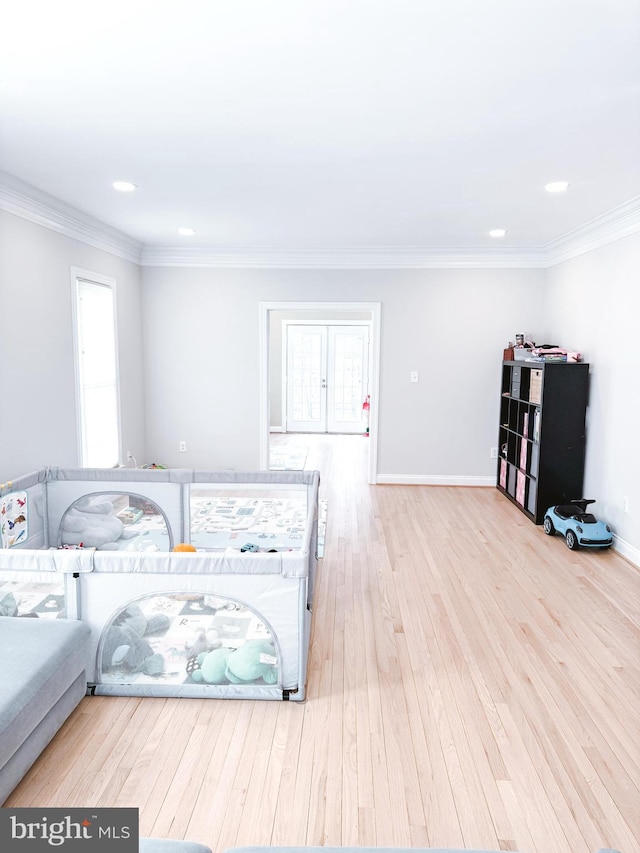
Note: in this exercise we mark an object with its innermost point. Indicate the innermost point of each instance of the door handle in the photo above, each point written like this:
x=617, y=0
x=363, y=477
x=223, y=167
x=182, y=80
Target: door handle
x=324, y=383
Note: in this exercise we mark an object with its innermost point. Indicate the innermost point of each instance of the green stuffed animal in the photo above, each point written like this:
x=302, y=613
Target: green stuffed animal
x=211, y=667
x=252, y=661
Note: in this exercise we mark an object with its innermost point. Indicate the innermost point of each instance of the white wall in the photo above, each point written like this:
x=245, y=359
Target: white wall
x=200, y=328
x=593, y=306
x=197, y=331
x=37, y=401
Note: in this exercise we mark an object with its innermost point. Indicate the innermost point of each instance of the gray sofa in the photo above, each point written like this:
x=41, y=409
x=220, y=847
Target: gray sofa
x=42, y=680
x=170, y=845
x=286, y=849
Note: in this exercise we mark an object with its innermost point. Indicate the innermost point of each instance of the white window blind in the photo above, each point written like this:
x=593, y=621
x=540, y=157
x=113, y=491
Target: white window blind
x=97, y=371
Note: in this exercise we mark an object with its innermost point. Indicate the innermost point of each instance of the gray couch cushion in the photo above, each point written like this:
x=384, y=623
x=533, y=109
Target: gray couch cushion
x=285, y=849
x=27, y=754
x=171, y=845
x=328, y=849
x=39, y=660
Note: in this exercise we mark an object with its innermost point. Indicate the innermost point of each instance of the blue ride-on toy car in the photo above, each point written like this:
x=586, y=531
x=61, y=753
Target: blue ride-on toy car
x=579, y=527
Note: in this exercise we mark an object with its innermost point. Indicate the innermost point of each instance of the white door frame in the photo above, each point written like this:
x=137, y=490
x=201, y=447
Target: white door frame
x=285, y=329
x=374, y=369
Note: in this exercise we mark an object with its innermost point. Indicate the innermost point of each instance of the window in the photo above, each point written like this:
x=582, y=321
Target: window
x=97, y=391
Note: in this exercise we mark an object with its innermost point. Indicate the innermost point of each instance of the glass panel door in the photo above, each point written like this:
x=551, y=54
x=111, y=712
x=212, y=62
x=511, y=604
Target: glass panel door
x=327, y=369
x=306, y=379
x=347, y=372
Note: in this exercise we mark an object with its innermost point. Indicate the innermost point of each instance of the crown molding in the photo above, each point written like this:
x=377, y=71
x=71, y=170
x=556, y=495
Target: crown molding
x=357, y=257
x=32, y=204
x=621, y=221
x=29, y=203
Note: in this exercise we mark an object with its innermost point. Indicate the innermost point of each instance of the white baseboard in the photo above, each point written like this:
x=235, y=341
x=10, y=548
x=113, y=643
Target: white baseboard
x=277, y=429
x=629, y=552
x=434, y=480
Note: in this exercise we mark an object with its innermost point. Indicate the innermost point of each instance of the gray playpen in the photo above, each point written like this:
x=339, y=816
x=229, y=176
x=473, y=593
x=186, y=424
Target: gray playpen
x=227, y=616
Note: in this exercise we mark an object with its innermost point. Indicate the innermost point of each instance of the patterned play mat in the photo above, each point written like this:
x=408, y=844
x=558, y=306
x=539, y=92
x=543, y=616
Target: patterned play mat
x=269, y=523
x=232, y=522
x=287, y=458
x=322, y=527
x=217, y=523
x=32, y=599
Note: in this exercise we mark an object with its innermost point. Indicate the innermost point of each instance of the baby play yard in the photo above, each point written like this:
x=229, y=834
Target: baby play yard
x=227, y=615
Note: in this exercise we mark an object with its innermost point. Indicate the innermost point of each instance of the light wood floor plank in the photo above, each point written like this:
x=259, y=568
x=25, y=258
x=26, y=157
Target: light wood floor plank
x=471, y=682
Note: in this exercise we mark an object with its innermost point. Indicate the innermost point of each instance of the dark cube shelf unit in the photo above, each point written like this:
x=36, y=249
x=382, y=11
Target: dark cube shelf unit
x=542, y=434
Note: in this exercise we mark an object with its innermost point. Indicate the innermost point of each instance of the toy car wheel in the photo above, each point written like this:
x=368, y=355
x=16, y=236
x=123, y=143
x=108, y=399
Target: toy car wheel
x=549, y=529
x=571, y=540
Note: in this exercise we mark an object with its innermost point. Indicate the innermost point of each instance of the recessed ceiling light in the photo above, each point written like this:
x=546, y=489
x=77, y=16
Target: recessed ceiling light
x=557, y=186
x=497, y=232
x=186, y=232
x=124, y=186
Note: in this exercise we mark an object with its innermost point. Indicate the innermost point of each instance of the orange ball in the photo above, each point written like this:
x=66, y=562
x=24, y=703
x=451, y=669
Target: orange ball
x=183, y=546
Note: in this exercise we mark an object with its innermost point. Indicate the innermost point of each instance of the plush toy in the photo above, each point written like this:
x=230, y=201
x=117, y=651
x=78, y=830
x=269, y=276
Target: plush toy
x=211, y=667
x=92, y=525
x=203, y=641
x=8, y=605
x=255, y=659
x=252, y=661
x=125, y=647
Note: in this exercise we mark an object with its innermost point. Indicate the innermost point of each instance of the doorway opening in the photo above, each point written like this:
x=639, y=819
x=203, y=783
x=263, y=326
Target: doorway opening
x=304, y=343
x=325, y=377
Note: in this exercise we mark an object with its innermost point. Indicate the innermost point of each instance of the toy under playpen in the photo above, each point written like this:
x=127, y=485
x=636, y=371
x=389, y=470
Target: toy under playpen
x=227, y=615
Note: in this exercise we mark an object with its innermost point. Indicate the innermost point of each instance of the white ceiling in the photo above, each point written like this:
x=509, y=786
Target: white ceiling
x=296, y=125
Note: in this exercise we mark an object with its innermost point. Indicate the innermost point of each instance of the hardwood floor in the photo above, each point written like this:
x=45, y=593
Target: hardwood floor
x=472, y=683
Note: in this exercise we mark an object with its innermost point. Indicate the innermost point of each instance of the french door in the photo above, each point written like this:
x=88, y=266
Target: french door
x=327, y=369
